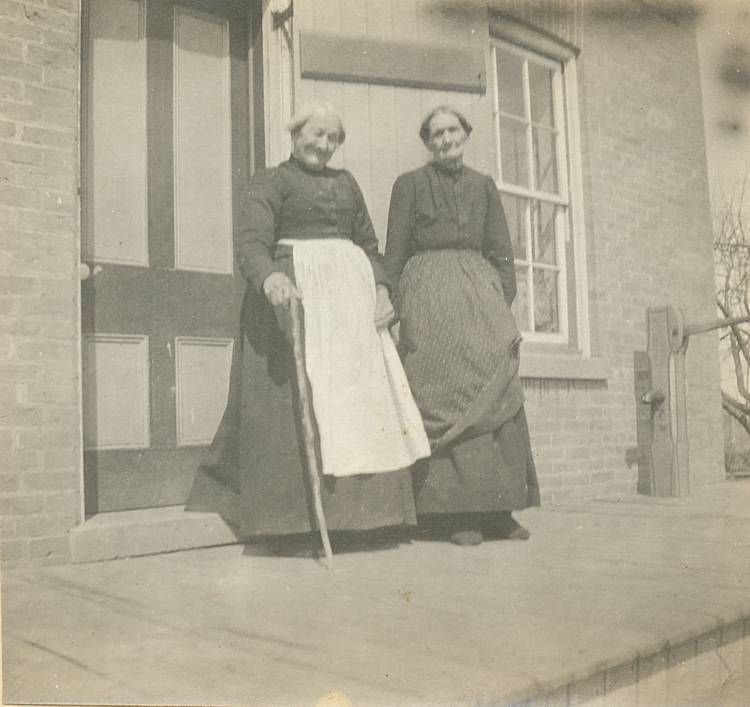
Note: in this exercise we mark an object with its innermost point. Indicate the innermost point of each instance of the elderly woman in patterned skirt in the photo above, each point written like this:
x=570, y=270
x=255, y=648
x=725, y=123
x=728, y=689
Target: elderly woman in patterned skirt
x=449, y=258
x=307, y=234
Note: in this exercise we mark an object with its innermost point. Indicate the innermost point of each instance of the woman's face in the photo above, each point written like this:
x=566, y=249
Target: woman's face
x=447, y=138
x=317, y=140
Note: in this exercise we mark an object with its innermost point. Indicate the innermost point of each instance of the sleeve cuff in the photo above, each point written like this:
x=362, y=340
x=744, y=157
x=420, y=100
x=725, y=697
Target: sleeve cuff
x=258, y=274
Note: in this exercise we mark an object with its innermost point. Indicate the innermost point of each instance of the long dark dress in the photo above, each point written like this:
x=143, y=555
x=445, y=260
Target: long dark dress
x=254, y=473
x=449, y=258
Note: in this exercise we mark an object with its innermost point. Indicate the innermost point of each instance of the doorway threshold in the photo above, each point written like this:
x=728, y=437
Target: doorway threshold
x=148, y=531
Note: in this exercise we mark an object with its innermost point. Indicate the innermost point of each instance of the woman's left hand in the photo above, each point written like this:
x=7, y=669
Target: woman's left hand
x=384, y=313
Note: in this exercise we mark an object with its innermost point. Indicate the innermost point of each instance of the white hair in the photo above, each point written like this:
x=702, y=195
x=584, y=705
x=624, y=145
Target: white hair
x=308, y=110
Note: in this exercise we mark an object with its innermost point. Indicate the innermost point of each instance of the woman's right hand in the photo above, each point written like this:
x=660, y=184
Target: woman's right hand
x=279, y=289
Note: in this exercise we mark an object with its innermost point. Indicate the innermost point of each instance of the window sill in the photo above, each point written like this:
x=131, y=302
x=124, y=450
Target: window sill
x=564, y=367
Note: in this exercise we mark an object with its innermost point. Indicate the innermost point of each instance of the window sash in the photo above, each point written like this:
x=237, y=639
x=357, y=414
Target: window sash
x=526, y=264
x=558, y=129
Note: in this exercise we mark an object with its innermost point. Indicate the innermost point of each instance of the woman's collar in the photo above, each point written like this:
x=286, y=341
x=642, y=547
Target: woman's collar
x=308, y=170
x=451, y=170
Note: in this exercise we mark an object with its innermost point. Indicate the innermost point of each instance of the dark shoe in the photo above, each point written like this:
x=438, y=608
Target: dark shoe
x=503, y=526
x=467, y=537
x=511, y=529
x=518, y=533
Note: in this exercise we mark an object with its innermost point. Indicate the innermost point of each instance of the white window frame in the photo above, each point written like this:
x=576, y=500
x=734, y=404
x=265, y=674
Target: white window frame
x=279, y=77
x=525, y=42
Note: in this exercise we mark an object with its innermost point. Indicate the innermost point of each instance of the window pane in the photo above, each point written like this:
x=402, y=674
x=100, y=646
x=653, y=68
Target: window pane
x=545, y=243
x=545, y=301
x=515, y=212
x=510, y=83
x=540, y=93
x=513, y=152
x=545, y=160
x=520, y=307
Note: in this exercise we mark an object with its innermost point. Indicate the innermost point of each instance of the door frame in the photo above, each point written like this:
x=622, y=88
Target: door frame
x=272, y=79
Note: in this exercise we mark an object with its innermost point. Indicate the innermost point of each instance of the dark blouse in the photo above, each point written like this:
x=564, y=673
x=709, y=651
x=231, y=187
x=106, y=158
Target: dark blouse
x=291, y=201
x=433, y=208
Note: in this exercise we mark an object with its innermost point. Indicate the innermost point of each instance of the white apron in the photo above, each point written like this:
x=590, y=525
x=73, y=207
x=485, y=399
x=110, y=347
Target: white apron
x=367, y=419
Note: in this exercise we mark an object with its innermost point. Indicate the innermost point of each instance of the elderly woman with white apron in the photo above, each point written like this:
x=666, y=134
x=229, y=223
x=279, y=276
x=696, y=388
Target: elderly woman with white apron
x=307, y=234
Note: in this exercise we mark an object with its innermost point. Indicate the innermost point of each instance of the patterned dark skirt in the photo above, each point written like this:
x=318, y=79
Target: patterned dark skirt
x=459, y=344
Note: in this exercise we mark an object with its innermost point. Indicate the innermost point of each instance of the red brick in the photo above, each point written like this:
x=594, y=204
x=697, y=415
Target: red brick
x=18, y=285
x=55, y=97
x=9, y=394
x=11, y=8
x=64, y=417
x=49, y=524
x=66, y=5
x=8, y=528
x=19, y=417
x=50, y=394
x=27, y=198
x=42, y=17
x=9, y=482
x=54, y=549
x=49, y=329
x=43, y=349
x=20, y=70
x=11, y=90
x=20, y=30
x=7, y=440
x=44, y=222
x=20, y=372
x=60, y=117
x=21, y=505
x=41, y=55
x=50, y=138
x=59, y=201
x=48, y=176
x=19, y=460
x=46, y=306
x=11, y=48
x=67, y=501
x=21, y=154
x=61, y=78
x=7, y=129
x=44, y=439
x=13, y=550
x=62, y=458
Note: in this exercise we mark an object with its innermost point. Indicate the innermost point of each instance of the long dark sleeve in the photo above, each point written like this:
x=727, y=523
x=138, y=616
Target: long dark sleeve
x=497, y=246
x=400, y=226
x=363, y=234
x=255, y=243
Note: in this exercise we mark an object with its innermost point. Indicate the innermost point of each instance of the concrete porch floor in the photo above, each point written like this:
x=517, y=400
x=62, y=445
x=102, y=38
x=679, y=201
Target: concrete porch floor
x=640, y=601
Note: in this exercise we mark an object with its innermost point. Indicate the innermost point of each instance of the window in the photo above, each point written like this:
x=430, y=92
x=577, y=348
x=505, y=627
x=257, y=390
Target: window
x=538, y=175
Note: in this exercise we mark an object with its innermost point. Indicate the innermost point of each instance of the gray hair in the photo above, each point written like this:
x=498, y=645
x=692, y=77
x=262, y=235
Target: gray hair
x=424, y=128
x=308, y=110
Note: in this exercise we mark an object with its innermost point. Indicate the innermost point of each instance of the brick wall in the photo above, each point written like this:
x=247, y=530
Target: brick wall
x=647, y=228
x=39, y=236
x=648, y=234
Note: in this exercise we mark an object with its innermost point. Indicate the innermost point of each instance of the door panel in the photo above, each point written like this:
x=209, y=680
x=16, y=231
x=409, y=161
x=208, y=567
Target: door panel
x=160, y=315
x=202, y=143
x=116, y=227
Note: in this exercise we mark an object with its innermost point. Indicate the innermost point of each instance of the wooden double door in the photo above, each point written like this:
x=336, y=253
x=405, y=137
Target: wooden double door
x=169, y=141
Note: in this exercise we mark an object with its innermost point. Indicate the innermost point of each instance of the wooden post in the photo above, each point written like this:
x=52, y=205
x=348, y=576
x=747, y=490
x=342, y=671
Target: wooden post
x=668, y=338
x=669, y=451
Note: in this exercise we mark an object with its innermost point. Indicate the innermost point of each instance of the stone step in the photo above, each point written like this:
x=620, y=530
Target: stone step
x=108, y=536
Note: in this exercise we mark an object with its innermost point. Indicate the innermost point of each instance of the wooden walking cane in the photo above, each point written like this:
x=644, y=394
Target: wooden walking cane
x=308, y=429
